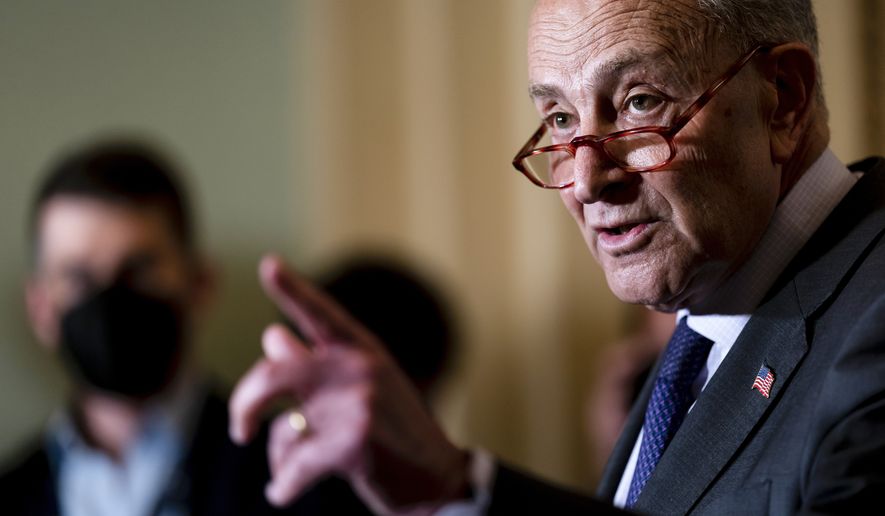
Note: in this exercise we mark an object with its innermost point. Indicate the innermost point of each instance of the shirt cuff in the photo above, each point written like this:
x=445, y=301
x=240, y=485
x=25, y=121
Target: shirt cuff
x=482, y=476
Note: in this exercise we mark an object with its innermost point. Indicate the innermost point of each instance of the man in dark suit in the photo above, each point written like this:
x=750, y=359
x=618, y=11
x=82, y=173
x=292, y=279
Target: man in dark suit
x=116, y=285
x=688, y=139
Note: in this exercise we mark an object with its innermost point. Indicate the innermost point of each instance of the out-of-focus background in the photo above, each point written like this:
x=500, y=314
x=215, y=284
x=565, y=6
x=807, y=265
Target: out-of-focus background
x=315, y=128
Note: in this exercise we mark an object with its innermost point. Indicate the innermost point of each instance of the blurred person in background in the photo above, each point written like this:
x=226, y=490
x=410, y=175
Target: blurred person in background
x=619, y=374
x=403, y=308
x=116, y=289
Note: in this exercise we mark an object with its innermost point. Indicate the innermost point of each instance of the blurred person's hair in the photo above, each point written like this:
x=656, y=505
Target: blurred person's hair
x=130, y=173
x=403, y=309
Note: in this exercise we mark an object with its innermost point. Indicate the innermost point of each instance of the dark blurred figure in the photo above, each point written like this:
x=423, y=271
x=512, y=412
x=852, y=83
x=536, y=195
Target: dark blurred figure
x=403, y=309
x=116, y=286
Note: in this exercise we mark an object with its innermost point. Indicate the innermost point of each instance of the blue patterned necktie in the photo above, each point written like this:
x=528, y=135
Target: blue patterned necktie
x=685, y=356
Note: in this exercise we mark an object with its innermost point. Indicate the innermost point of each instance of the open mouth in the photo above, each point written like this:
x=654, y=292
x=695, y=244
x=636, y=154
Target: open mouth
x=626, y=238
x=620, y=230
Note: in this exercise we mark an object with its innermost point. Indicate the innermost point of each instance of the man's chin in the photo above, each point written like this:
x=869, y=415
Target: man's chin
x=651, y=293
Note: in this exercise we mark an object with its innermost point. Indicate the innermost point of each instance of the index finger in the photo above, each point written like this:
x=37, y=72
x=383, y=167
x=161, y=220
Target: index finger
x=318, y=316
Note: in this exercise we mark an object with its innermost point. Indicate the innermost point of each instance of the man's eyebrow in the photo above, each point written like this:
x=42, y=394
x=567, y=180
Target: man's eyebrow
x=543, y=91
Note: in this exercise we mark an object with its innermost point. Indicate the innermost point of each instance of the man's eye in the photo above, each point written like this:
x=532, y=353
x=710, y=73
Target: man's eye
x=560, y=120
x=643, y=103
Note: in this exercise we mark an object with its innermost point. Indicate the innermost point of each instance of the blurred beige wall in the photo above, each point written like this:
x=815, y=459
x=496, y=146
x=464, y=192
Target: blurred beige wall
x=853, y=63
x=317, y=127
x=415, y=111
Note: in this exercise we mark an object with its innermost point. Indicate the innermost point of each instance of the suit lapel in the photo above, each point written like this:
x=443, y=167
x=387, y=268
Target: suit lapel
x=728, y=409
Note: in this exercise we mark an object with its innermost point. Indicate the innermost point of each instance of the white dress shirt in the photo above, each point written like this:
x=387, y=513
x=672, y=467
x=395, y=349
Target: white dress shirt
x=91, y=483
x=723, y=317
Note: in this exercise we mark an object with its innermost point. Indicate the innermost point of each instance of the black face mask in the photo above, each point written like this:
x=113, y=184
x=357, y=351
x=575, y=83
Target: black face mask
x=122, y=341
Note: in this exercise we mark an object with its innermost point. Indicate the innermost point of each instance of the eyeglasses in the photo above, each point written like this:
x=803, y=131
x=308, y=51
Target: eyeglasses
x=641, y=149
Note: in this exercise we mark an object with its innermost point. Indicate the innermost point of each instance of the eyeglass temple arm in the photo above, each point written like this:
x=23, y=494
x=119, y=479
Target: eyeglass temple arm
x=530, y=145
x=729, y=74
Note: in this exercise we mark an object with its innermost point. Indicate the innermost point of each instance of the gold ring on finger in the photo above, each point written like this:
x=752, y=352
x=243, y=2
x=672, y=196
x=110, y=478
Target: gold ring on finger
x=297, y=421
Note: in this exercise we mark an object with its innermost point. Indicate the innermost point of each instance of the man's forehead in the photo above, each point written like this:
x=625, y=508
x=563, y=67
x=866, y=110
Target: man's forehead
x=567, y=34
x=89, y=226
x=614, y=65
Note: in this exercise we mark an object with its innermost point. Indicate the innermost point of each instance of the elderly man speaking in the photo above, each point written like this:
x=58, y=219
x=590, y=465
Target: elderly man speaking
x=688, y=139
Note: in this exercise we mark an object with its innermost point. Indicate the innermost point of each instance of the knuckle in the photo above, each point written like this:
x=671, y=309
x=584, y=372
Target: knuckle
x=358, y=364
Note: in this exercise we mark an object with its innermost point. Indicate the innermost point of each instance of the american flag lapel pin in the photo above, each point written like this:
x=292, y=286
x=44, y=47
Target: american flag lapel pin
x=764, y=380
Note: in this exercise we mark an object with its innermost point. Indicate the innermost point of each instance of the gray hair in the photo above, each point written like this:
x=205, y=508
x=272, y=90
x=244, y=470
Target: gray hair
x=750, y=22
x=746, y=23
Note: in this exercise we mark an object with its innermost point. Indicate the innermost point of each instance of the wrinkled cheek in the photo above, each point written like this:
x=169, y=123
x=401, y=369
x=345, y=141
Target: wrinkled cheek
x=590, y=238
x=575, y=209
x=53, y=326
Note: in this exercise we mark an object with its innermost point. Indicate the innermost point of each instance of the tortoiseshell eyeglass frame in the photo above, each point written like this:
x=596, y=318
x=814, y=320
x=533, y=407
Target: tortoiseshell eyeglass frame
x=598, y=142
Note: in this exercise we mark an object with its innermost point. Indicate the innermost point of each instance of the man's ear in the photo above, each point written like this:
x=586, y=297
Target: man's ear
x=42, y=314
x=791, y=69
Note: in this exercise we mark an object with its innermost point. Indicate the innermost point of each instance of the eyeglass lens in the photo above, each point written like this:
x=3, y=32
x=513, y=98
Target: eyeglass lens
x=634, y=151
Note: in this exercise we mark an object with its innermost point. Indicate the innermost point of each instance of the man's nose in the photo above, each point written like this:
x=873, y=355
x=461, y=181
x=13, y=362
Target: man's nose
x=597, y=177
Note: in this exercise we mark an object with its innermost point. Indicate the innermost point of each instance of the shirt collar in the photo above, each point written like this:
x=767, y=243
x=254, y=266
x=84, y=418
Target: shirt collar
x=168, y=417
